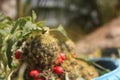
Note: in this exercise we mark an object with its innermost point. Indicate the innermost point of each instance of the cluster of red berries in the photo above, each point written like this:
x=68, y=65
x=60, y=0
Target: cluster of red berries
x=60, y=59
x=35, y=73
x=57, y=69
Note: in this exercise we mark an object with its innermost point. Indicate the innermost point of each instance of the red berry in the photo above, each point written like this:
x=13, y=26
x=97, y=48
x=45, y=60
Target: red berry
x=34, y=73
x=58, y=69
x=17, y=54
x=59, y=60
x=62, y=55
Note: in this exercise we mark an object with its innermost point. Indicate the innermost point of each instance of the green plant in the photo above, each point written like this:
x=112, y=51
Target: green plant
x=28, y=46
x=10, y=33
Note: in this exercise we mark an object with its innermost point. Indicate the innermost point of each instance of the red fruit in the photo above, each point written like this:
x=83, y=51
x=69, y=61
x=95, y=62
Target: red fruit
x=62, y=56
x=59, y=60
x=34, y=73
x=58, y=69
x=17, y=54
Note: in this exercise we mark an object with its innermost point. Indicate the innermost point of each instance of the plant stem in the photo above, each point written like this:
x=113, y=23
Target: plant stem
x=19, y=9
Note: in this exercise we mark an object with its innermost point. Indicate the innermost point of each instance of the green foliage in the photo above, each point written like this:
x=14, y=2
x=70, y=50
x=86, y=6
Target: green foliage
x=34, y=16
x=59, y=33
x=11, y=32
x=61, y=29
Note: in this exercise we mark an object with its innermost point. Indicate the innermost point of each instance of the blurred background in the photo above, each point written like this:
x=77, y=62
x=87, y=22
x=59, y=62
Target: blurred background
x=91, y=24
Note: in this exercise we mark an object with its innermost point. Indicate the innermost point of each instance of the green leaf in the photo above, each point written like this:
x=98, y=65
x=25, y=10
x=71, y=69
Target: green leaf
x=2, y=32
x=62, y=30
x=59, y=33
x=20, y=23
x=9, y=44
x=5, y=31
x=4, y=18
x=34, y=16
x=27, y=18
x=40, y=23
x=29, y=26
